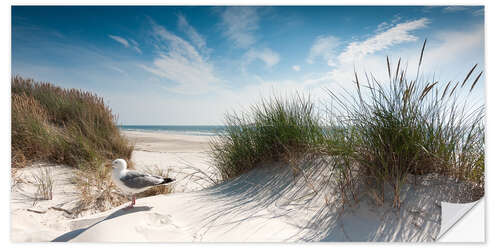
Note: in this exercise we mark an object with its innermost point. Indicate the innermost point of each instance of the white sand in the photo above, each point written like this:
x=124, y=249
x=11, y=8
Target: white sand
x=185, y=156
x=268, y=204
x=41, y=220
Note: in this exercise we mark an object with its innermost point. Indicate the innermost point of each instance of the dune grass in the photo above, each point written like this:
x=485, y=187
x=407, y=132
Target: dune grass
x=96, y=190
x=410, y=126
x=71, y=127
x=65, y=126
x=274, y=130
x=161, y=189
x=377, y=135
x=44, y=182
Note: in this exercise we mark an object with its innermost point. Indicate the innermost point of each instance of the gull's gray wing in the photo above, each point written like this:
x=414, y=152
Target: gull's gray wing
x=136, y=180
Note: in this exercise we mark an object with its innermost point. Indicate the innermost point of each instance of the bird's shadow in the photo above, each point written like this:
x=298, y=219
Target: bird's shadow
x=123, y=211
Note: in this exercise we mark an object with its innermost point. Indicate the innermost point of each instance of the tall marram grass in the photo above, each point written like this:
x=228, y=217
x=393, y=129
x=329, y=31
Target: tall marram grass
x=378, y=135
x=59, y=125
x=273, y=131
x=388, y=130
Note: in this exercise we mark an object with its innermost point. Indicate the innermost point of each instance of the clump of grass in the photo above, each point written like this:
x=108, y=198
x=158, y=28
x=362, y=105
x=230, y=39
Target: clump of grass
x=96, y=190
x=161, y=189
x=272, y=131
x=15, y=178
x=378, y=136
x=387, y=131
x=67, y=126
x=44, y=182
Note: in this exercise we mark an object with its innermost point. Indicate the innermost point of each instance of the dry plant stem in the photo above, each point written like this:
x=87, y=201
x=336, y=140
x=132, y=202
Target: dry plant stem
x=44, y=181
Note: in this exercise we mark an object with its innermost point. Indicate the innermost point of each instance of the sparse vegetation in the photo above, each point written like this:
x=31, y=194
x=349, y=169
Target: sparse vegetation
x=96, y=190
x=378, y=135
x=274, y=130
x=44, y=182
x=65, y=126
x=162, y=189
x=409, y=126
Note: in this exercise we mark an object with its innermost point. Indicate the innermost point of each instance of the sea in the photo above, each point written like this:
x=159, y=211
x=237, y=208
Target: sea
x=200, y=130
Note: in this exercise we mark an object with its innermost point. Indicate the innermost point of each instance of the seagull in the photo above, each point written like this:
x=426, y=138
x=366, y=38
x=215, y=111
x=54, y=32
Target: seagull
x=133, y=182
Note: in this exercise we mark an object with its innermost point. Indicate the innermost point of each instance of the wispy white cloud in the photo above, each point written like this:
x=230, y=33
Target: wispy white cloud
x=117, y=69
x=479, y=12
x=382, y=26
x=324, y=47
x=121, y=40
x=135, y=46
x=134, y=42
x=191, y=32
x=400, y=33
x=296, y=67
x=449, y=53
x=181, y=63
x=131, y=43
x=472, y=10
x=239, y=24
x=456, y=46
x=456, y=8
x=266, y=55
x=137, y=49
x=388, y=24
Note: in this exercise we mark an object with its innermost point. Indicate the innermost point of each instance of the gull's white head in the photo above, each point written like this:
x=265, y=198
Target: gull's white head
x=119, y=164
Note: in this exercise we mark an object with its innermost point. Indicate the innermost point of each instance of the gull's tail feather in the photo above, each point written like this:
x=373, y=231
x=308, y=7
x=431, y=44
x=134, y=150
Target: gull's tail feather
x=167, y=180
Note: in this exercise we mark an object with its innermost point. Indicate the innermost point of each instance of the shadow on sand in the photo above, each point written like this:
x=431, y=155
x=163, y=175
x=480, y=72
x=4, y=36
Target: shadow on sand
x=72, y=234
x=307, y=201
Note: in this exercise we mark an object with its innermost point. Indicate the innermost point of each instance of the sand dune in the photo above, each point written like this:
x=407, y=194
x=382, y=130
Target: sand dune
x=268, y=204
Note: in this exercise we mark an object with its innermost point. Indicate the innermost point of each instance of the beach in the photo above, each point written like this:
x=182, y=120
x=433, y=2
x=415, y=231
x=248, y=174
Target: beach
x=268, y=204
x=184, y=155
x=199, y=124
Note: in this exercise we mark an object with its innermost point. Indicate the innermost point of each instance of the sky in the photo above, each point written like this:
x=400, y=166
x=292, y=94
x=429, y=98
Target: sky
x=174, y=65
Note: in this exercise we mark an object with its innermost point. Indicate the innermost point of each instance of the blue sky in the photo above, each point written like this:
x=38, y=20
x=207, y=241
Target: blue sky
x=190, y=65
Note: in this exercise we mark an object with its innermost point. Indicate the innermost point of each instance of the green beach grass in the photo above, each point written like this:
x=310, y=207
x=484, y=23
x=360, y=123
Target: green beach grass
x=65, y=126
x=410, y=126
x=273, y=131
x=378, y=134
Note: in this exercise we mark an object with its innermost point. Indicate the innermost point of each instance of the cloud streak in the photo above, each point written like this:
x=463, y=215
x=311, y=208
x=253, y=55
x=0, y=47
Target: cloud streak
x=457, y=8
x=239, y=24
x=181, y=63
x=324, y=47
x=191, y=32
x=400, y=33
x=121, y=40
x=135, y=46
x=266, y=55
x=132, y=44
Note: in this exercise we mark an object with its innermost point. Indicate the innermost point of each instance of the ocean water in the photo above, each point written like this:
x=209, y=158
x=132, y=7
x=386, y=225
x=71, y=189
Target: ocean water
x=201, y=130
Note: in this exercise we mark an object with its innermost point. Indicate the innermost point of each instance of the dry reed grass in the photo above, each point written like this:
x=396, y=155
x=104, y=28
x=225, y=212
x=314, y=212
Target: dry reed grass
x=67, y=126
x=44, y=181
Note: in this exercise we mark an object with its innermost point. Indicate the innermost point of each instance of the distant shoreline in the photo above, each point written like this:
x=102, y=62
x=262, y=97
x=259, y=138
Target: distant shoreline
x=197, y=130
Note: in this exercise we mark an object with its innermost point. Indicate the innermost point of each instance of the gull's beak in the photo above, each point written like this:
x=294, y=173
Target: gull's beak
x=109, y=164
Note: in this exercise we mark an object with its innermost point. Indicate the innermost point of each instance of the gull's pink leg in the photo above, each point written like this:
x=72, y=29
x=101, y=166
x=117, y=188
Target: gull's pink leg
x=131, y=204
